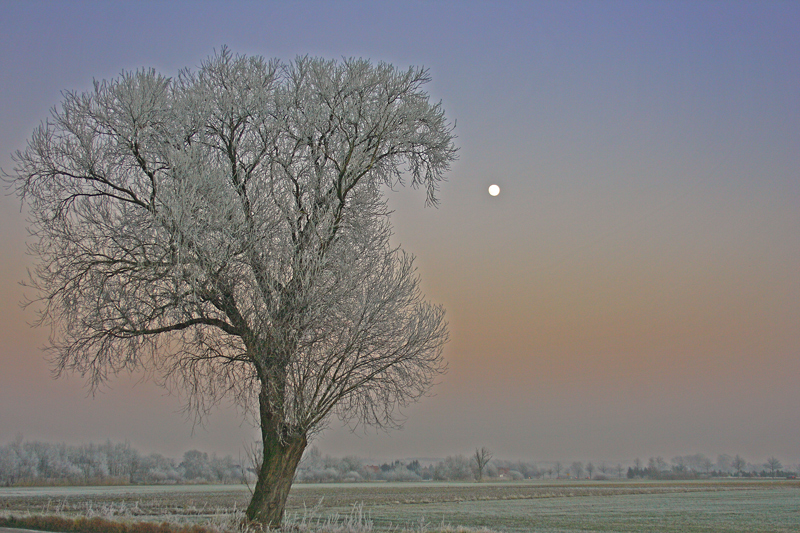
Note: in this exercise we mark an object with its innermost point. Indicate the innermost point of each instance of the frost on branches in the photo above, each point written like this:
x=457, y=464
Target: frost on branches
x=226, y=229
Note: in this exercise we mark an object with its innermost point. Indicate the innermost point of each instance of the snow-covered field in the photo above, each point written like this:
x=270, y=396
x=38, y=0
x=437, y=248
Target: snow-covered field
x=565, y=506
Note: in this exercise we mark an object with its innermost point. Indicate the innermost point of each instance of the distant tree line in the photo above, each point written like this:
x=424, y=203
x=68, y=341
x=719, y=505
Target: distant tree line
x=42, y=463
x=316, y=468
x=699, y=466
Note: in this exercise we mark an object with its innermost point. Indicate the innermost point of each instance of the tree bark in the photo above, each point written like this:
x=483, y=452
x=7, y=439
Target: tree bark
x=278, y=465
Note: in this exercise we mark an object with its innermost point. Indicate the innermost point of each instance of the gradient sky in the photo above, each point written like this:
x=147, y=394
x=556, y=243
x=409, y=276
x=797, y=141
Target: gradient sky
x=633, y=291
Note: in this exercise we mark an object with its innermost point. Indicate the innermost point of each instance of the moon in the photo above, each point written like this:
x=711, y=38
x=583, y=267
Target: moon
x=494, y=190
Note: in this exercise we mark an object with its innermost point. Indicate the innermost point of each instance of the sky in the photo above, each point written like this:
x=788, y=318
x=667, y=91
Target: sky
x=633, y=291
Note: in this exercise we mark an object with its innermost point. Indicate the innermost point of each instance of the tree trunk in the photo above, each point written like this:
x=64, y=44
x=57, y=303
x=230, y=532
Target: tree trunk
x=278, y=464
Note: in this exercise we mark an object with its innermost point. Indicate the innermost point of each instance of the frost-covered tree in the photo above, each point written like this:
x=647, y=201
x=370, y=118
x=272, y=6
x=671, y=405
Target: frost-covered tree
x=9, y=466
x=577, y=469
x=195, y=466
x=773, y=464
x=738, y=464
x=724, y=463
x=227, y=230
x=453, y=468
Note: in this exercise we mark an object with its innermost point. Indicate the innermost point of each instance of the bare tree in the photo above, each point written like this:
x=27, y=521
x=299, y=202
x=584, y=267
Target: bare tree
x=590, y=469
x=773, y=464
x=227, y=230
x=481, y=459
x=577, y=469
x=558, y=467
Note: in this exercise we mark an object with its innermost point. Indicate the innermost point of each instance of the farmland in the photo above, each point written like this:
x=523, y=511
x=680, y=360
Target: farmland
x=555, y=506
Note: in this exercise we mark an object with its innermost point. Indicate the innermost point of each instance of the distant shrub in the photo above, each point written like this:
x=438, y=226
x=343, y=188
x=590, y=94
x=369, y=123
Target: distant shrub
x=400, y=473
x=352, y=476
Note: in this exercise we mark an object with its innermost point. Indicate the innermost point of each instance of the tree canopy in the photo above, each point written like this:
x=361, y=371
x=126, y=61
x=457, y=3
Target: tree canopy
x=227, y=229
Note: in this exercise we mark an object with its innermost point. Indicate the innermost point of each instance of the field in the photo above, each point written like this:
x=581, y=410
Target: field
x=545, y=507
